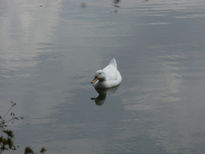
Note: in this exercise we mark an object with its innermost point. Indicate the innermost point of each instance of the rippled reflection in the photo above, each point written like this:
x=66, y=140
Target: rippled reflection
x=47, y=52
x=116, y=3
x=25, y=27
x=102, y=94
x=100, y=99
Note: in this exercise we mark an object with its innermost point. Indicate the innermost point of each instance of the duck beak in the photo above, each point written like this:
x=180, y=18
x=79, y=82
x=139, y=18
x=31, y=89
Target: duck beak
x=94, y=80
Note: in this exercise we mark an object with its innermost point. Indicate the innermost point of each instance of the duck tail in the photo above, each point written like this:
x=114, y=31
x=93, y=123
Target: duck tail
x=113, y=62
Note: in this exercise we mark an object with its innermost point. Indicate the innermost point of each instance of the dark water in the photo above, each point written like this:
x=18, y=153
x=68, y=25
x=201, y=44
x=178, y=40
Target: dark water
x=49, y=51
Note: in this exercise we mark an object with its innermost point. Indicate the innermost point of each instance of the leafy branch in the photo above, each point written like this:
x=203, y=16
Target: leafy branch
x=7, y=135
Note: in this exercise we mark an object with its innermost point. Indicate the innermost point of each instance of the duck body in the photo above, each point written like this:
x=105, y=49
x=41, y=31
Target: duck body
x=107, y=77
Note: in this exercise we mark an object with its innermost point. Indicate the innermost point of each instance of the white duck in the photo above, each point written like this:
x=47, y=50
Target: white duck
x=108, y=77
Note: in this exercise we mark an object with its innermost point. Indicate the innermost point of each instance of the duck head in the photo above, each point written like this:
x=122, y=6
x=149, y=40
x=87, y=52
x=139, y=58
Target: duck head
x=99, y=76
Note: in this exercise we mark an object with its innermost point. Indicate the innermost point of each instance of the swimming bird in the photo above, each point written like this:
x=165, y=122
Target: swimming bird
x=107, y=77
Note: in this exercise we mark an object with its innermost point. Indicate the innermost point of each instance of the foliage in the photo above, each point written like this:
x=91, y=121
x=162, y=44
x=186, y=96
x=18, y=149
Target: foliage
x=7, y=135
x=29, y=150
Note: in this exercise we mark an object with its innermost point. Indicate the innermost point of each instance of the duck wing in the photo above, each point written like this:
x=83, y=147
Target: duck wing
x=113, y=62
x=111, y=70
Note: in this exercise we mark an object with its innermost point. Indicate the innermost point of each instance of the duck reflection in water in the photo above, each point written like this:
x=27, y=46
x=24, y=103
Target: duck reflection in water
x=116, y=3
x=102, y=94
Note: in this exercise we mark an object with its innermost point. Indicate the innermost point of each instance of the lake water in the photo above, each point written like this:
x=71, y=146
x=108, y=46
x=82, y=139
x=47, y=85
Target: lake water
x=50, y=49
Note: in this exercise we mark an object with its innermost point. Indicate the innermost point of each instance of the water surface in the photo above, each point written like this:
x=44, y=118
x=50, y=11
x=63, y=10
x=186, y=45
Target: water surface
x=49, y=51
